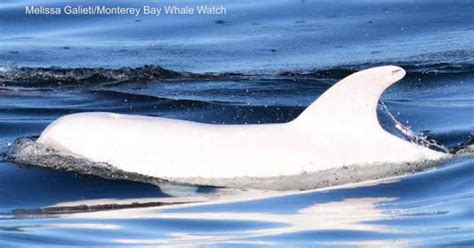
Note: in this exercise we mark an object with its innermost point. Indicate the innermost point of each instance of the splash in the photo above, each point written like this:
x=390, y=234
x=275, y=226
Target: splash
x=408, y=133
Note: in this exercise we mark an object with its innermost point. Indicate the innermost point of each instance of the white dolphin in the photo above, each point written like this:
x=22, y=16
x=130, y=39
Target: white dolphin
x=339, y=129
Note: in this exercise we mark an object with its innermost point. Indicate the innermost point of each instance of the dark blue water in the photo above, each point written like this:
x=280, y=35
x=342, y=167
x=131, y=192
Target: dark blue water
x=265, y=62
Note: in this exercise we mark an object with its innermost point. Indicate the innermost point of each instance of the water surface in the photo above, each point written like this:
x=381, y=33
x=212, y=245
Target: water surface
x=269, y=60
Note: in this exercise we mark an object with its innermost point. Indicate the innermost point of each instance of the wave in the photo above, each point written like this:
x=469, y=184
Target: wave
x=97, y=75
x=163, y=101
x=413, y=69
x=84, y=75
x=87, y=208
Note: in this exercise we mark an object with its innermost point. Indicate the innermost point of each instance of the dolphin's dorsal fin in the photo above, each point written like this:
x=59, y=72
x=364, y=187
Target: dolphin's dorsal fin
x=351, y=102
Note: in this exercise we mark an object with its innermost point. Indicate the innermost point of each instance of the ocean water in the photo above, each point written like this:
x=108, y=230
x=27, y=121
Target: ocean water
x=260, y=63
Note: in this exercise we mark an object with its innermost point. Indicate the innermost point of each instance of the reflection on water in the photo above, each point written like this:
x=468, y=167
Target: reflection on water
x=350, y=214
x=414, y=210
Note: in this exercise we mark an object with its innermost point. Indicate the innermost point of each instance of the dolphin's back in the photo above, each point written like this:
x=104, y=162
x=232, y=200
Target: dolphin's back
x=340, y=128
